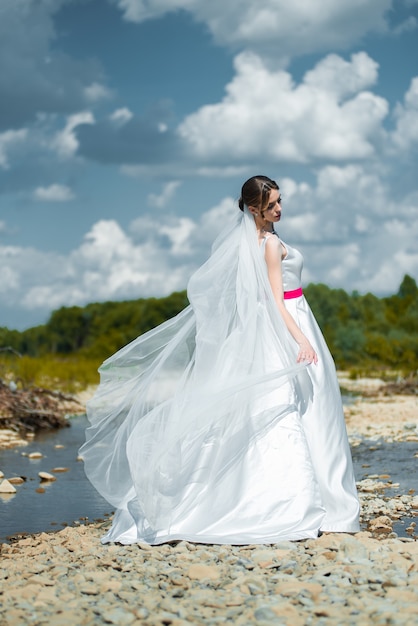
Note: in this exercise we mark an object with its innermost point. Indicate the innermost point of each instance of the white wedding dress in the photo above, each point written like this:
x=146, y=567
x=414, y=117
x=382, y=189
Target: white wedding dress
x=206, y=429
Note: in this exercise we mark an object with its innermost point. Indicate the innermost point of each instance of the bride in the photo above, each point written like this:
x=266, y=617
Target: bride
x=225, y=423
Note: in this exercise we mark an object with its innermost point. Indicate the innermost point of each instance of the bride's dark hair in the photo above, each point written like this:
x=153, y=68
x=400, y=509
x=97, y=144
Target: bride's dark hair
x=255, y=192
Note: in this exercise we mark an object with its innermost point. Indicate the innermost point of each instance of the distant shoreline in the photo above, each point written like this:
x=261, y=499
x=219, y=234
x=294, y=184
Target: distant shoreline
x=372, y=414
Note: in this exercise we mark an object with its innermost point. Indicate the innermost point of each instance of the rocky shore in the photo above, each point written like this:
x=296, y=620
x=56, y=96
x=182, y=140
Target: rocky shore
x=69, y=577
x=381, y=410
x=24, y=412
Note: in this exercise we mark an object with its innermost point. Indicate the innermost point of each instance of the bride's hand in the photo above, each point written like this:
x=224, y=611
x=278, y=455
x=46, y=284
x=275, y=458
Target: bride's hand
x=307, y=353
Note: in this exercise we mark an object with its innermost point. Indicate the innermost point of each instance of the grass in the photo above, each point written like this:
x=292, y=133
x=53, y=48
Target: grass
x=68, y=375
x=74, y=373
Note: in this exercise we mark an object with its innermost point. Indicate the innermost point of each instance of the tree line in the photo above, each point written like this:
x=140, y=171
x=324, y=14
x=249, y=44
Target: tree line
x=362, y=331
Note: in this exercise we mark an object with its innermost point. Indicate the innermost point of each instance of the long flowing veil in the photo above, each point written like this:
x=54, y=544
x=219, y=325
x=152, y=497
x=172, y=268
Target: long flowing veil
x=179, y=406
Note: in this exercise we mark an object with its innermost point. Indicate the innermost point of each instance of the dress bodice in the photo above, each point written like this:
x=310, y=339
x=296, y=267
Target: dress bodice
x=292, y=265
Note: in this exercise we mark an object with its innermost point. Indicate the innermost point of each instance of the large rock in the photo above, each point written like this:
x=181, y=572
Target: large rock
x=6, y=487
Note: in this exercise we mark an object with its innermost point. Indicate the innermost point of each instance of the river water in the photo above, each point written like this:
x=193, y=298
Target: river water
x=68, y=500
x=71, y=499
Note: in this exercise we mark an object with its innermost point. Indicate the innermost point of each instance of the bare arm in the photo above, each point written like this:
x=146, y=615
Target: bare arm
x=273, y=256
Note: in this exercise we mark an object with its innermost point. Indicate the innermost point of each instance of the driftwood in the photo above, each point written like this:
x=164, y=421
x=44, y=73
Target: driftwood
x=34, y=408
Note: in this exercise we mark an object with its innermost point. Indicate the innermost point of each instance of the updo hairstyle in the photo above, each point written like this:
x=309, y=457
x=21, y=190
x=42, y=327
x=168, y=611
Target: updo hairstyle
x=255, y=192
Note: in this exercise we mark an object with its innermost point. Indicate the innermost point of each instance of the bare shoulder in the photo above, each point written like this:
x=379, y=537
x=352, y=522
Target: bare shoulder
x=273, y=245
x=273, y=250
x=272, y=242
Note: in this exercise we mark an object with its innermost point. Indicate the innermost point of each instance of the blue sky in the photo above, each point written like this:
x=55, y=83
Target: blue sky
x=128, y=126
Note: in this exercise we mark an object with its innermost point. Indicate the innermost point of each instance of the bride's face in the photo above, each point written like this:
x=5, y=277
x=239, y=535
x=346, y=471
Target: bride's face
x=273, y=211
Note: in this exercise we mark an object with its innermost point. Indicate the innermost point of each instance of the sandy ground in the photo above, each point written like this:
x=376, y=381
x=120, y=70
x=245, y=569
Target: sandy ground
x=393, y=418
x=375, y=415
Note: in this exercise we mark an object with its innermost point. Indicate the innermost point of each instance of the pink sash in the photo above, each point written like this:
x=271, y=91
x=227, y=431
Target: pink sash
x=296, y=293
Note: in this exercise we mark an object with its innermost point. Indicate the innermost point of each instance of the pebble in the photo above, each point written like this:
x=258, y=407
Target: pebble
x=203, y=572
x=10, y=439
x=16, y=480
x=69, y=577
x=46, y=477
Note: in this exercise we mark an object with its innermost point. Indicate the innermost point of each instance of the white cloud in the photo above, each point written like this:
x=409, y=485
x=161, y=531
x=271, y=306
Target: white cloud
x=184, y=169
x=362, y=224
x=96, y=92
x=353, y=233
x=265, y=115
x=212, y=221
x=182, y=236
x=343, y=78
x=65, y=141
x=406, y=114
x=333, y=211
x=356, y=231
x=121, y=116
x=111, y=264
x=338, y=223
x=141, y=10
x=107, y=265
x=36, y=74
x=389, y=273
x=177, y=230
x=228, y=171
x=8, y=141
x=353, y=185
x=276, y=28
x=9, y=279
x=54, y=193
x=162, y=199
x=289, y=188
x=20, y=269
x=408, y=25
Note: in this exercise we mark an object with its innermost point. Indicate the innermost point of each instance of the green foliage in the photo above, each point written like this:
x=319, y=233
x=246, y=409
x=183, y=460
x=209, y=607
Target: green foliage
x=362, y=331
x=68, y=329
x=96, y=330
x=408, y=288
x=66, y=352
x=367, y=331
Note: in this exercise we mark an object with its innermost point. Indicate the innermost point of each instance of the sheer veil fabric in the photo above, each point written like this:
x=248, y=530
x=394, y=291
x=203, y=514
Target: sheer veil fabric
x=195, y=429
